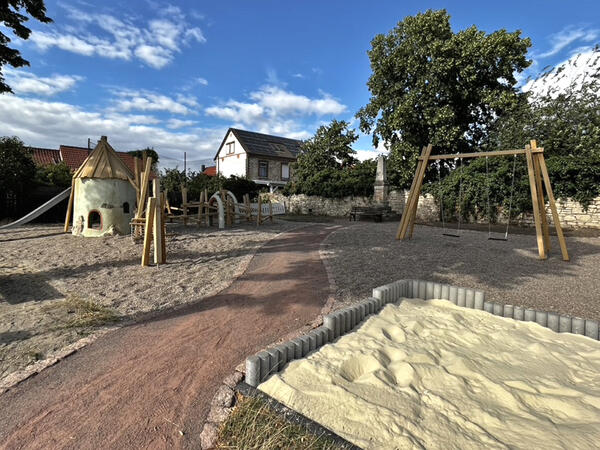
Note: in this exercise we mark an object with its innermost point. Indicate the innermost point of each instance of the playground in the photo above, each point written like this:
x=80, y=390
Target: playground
x=57, y=288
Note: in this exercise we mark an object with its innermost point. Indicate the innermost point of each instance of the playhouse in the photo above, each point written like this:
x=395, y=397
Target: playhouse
x=104, y=198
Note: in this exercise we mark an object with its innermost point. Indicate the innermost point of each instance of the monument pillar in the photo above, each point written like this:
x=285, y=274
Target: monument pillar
x=381, y=184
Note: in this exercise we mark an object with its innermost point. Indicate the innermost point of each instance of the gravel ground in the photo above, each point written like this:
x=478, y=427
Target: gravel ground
x=363, y=256
x=56, y=288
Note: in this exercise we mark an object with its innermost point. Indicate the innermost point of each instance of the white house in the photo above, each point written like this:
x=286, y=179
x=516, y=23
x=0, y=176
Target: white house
x=263, y=158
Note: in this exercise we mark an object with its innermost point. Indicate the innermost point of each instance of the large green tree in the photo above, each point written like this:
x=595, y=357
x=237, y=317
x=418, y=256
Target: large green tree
x=433, y=85
x=327, y=165
x=17, y=172
x=12, y=16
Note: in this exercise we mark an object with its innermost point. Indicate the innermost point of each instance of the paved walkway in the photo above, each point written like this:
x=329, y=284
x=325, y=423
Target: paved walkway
x=140, y=385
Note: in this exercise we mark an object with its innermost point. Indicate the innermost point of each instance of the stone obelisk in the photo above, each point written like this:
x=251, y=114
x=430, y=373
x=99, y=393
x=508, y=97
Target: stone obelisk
x=381, y=184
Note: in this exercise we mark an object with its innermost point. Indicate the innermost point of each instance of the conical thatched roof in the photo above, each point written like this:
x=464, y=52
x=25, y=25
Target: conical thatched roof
x=103, y=162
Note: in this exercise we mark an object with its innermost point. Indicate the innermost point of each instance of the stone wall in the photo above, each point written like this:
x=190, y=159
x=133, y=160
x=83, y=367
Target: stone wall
x=321, y=206
x=571, y=213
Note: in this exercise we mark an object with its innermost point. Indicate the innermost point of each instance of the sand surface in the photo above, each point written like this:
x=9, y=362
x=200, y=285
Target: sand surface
x=433, y=375
x=42, y=269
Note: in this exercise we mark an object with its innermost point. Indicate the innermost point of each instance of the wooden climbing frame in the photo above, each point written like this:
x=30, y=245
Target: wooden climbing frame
x=538, y=181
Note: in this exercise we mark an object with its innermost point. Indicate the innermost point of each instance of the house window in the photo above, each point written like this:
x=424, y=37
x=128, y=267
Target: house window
x=285, y=171
x=126, y=207
x=263, y=169
x=94, y=220
x=230, y=148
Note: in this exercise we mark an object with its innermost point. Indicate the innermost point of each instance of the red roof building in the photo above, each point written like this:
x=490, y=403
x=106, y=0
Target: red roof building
x=210, y=171
x=74, y=157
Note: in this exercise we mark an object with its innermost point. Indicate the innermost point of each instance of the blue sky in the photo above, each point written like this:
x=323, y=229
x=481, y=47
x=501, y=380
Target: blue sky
x=174, y=76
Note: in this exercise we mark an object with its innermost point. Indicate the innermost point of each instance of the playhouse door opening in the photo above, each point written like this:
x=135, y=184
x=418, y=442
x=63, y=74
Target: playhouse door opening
x=95, y=220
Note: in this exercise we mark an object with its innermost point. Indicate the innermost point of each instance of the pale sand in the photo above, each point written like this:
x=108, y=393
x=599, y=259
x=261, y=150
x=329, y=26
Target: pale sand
x=433, y=375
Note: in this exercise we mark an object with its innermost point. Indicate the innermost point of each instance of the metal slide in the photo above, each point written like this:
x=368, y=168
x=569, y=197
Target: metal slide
x=39, y=211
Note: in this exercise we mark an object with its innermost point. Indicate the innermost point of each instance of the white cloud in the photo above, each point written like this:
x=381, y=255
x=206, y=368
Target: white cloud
x=176, y=124
x=568, y=36
x=202, y=81
x=28, y=83
x=142, y=100
x=276, y=111
x=49, y=124
x=155, y=43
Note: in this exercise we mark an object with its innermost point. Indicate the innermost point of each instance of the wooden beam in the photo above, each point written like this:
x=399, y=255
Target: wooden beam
x=402, y=227
x=148, y=231
x=481, y=154
x=541, y=202
x=144, y=187
x=70, y=206
x=535, y=203
x=555, y=217
x=184, y=203
x=413, y=216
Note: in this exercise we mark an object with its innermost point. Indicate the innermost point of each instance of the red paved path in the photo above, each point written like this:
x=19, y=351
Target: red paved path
x=138, y=386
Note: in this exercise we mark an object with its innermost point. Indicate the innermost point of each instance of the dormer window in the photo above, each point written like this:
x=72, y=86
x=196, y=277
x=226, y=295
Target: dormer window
x=230, y=148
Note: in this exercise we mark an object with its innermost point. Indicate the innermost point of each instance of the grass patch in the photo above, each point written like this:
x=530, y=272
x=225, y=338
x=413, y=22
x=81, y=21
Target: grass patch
x=253, y=425
x=75, y=312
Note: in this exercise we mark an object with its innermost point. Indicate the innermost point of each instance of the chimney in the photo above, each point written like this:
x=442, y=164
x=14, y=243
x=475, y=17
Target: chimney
x=202, y=168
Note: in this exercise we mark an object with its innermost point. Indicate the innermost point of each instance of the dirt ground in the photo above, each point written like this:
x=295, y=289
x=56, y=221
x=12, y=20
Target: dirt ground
x=366, y=255
x=150, y=384
x=56, y=288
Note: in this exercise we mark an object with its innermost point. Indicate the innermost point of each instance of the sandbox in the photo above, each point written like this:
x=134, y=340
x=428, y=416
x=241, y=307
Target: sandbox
x=432, y=374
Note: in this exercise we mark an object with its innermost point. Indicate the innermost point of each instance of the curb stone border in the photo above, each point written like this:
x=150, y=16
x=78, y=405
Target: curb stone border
x=14, y=378
x=265, y=363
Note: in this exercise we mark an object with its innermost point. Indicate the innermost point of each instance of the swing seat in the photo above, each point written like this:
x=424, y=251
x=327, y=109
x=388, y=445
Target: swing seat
x=451, y=235
x=492, y=238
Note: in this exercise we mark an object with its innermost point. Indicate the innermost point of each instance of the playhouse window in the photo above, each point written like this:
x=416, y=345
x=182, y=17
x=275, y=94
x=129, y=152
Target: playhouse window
x=95, y=220
x=126, y=207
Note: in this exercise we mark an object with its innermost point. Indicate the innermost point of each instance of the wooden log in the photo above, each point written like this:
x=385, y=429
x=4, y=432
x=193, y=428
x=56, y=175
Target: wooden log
x=413, y=215
x=163, y=200
x=184, y=203
x=480, y=154
x=258, y=215
x=555, y=216
x=158, y=225
x=70, y=206
x=150, y=210
x=535, y=203
x=144, y=188
x=541, y=202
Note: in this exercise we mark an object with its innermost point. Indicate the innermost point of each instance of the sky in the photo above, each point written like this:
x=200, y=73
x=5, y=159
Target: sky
x=175, y=76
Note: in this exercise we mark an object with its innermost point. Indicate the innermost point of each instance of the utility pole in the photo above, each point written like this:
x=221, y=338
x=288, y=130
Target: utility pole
x=184, y=164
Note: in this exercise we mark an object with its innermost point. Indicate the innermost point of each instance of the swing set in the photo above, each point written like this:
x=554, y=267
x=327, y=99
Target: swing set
x=538, y=174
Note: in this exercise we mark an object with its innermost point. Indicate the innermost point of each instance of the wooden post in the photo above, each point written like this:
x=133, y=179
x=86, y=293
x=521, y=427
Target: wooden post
x=136, y=171
x=271, y=210
x=413, y=196
x=150, y=210
x=535, y=203
x=200, y=209
x=184, y=204
x=144, y=188
x=163, y=238
x=70, y=206
x=555, y=217
x=541, y=202
x=158, y=226
x=259, y=212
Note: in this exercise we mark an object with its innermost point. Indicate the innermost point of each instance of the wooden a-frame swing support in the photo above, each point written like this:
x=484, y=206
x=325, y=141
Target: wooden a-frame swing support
x=538, y=172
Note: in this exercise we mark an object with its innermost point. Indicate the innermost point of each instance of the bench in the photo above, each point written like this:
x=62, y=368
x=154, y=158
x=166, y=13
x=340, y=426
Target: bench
x=366, y=211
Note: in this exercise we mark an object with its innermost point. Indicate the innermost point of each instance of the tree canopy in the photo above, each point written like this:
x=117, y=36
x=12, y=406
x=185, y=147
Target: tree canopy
x=327, y=166
x=432, y=85
x=17, y=169
x=566, y=126
x=11, y=16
